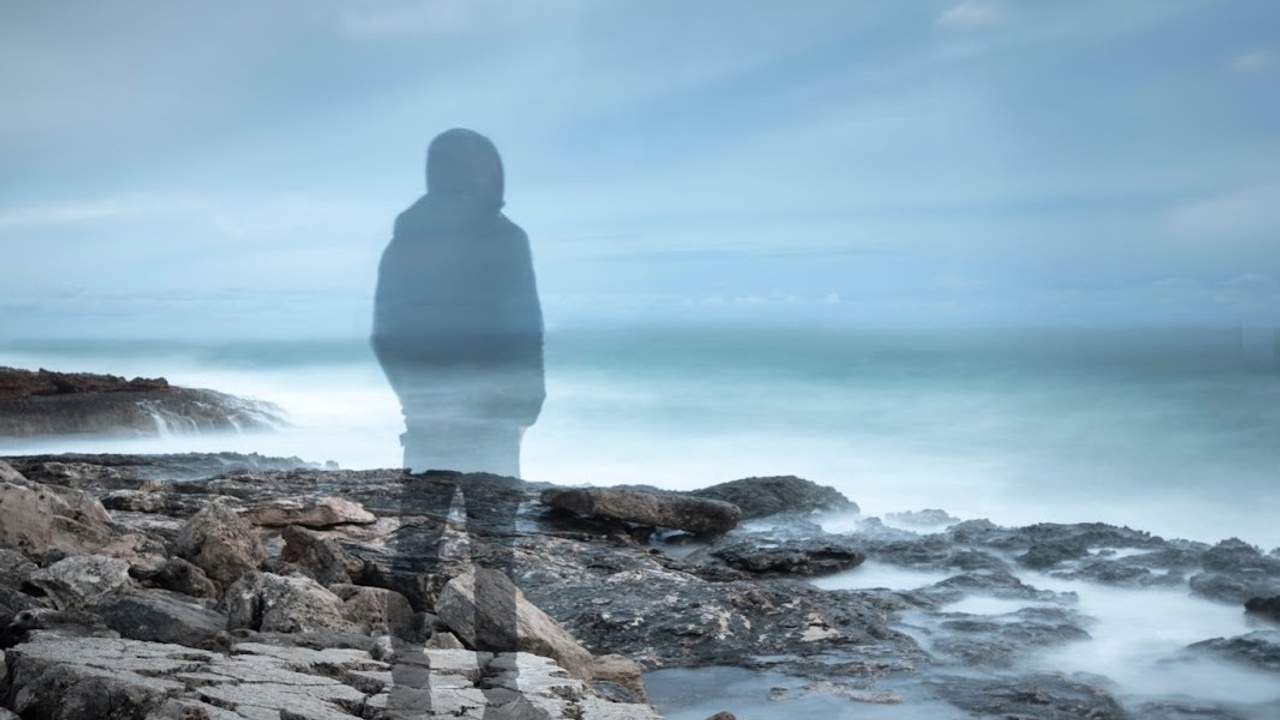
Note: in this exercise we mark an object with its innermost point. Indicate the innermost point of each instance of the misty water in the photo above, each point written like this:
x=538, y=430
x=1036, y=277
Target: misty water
x=1171, y=431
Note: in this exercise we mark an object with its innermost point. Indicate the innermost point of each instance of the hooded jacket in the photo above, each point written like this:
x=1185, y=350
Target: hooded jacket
x=457, y=323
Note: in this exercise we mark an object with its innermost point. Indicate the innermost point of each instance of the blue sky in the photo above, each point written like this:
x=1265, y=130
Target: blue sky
x=215, y=168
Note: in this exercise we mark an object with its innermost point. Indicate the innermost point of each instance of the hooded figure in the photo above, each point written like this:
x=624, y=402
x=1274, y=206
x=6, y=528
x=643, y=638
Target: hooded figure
x=457, y=324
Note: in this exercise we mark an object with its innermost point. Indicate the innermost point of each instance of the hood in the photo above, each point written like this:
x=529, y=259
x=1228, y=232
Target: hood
x=465, y=164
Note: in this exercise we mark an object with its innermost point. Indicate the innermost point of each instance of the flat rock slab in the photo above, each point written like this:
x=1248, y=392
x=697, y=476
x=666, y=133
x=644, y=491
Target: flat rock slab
x=695, y=515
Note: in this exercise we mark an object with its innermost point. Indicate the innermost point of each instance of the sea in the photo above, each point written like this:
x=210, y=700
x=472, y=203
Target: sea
x=1172, y=430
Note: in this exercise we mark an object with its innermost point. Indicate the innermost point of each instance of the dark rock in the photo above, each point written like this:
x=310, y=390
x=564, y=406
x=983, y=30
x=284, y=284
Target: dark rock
x=1234, y=587
x=803, y=557
x=181, y=576
x=160, y=617
x=1004, y=641
x=48, y=403
x=1044, y=556
x=1040, y=696
x=1265, y=606
x=928, y=518
x=697, y=515
x=1260, y=648
x=764, y=496
x=321, y=556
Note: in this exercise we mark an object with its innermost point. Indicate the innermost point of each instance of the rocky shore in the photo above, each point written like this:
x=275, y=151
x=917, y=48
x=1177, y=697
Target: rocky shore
x=228, y=587
x=43, y=403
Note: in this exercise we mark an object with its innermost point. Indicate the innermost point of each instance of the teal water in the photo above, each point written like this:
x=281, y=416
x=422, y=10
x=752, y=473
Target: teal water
x=1170, y=430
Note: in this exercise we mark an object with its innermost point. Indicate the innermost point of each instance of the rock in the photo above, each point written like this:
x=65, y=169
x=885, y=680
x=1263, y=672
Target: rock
x=310, y=512
x=97, y=679
x=764, y=496
x=1260, y=648
x=160, y=617
x=217, y=541
x=274, y=603
x=927, y=518
x=181, y=576
x=723, y=715
x=486, y=610
x=66, y=623
x=1265, y=606
x=47, y=403
x=696, y=515
x=77, y=581
x=1234, y=587
x=377, y=611
x=619, y=672
x=1042, y=696
x=803, y=557
x=44, y=521
x=319, y=555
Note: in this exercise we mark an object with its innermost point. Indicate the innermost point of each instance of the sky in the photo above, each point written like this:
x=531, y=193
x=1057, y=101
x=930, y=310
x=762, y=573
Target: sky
x=232, y=169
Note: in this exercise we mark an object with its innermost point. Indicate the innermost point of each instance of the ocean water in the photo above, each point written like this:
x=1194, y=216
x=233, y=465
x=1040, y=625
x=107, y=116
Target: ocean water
x=1176, y=431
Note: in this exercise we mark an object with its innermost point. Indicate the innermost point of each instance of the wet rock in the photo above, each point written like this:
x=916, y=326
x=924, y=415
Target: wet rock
x=764, y=496
x=1235, y=588
x=310, y=512
x=160, y=617
x=49, y=403
x=487, y=611
x=1004, y=641
x=1260, y=649
x=274, y=603
x=1039, y=696
x=1265, y=606
x=217, y=541
x=696, y=515
x=791, y=556
x=77, y=581
x=926, y=519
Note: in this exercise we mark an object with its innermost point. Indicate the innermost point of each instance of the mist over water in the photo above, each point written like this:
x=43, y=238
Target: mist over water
x=1162, y=430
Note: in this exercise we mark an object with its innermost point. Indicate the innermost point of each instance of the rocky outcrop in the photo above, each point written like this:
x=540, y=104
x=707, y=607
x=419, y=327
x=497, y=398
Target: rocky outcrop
x=759, y=497
x=695, y=515
x=1265, y=606
x=44, y=403
x=169, y=600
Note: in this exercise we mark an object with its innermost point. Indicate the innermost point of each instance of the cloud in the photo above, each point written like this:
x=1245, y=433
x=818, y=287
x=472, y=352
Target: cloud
x=1253, y=60
x=61, y=213
x=973, y=15
x=1249, y=280
x=1176, y=282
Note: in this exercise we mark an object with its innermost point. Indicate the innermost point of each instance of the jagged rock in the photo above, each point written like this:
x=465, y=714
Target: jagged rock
x=160, y=617
x=47, y=403
x=275, y=603
x=486, y=610
x=1042, y=696
x=77, y=581
x=1234, y=588
x=927, y=518
x=1260, y=648
x=44, y=521
x=217, y=541
x=1265, y=606
x=790, y=556
x=621, y=672
x=69, y=623
x=376, y=611
x=181, y=576
x=323, y=557
x=764, y=496
x=310, y=512
x=696, y=515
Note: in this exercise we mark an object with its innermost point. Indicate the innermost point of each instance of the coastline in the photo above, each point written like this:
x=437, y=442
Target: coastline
x=773, y=597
